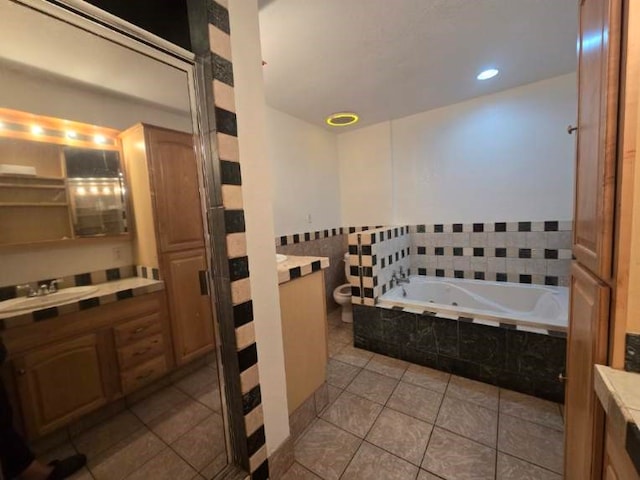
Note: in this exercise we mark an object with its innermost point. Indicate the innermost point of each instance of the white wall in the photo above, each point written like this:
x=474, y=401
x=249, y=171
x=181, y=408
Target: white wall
x=366, y=176
x=256, y=187
x=501, y=157
x=305, y=174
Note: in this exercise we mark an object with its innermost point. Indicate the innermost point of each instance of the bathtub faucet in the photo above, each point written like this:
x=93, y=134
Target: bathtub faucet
x=399, y=280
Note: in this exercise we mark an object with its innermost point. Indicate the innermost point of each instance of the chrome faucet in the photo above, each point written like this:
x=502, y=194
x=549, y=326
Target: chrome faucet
x=399, y=279
x=31, y=292
x=53, y=285
x=42, y=290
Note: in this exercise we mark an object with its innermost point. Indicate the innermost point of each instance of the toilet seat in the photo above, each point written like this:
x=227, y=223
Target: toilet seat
x=344, y=289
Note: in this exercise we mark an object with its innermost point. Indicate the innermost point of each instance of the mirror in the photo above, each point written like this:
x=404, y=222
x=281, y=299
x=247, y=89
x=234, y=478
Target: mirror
x=103, y=250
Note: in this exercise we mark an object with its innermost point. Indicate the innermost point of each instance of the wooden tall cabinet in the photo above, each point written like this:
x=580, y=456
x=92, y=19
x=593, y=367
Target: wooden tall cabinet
x=164, y=164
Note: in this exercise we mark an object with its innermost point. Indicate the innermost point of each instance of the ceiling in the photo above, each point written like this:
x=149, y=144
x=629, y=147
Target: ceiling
x=36, y=41
x=388, y=59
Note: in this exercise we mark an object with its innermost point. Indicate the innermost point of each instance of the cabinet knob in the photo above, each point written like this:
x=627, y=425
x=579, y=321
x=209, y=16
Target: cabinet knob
x=571, y=129
x=562, y=378
x=22, y=371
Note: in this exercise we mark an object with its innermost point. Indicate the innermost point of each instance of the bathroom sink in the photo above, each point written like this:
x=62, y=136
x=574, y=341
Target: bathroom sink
x=280, y=258
x=37, y=303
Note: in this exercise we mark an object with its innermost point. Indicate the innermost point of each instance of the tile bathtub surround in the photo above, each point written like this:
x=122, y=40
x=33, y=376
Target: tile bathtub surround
x=377, y=255
x=520, y=252
x=522, y=361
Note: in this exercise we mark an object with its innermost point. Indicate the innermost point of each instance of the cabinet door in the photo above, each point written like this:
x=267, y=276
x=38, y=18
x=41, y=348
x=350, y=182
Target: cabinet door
x=189, y=304
x=587, y=345
x=59, y=383
x=598, y=77
x=176, y=188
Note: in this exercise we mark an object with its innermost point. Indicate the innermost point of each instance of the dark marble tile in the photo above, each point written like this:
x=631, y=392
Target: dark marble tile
x=446, y=333
x=632, y=352
x=482, y=344
x=226, y=122
x=533, y=354
x=7, y=293
x=367, y=322
x=398, y=328
x=251, y=399
x=632, y=444
x=83, y=279
x=222, y=69
x=113, y=274
x=218, y=16
x=419, y=357
x=467, y=369
x=230, y=173
x=425, y=337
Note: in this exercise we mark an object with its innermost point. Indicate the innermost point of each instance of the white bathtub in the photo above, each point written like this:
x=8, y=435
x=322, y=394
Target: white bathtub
x=521, y=304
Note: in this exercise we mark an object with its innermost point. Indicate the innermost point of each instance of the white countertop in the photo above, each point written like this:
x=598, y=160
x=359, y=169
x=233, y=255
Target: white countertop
x=288, y=270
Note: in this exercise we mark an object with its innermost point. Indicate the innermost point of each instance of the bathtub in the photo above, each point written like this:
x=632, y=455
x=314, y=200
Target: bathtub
x=525, y=305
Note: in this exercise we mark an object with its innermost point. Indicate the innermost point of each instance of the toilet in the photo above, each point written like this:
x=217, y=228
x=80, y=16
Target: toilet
x=342, y=294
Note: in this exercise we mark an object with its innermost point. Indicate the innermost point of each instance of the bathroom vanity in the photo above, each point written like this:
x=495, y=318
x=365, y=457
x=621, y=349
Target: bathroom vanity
x=109, y=333
x=304, y=326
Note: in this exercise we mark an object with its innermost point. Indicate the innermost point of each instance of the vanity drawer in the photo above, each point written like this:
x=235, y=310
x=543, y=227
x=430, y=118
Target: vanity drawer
x=138, y=329
x=143, y=374
x=140, y=352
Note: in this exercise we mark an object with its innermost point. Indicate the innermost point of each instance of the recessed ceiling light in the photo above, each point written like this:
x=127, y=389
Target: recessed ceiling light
x=487, y=74
x=342, y=119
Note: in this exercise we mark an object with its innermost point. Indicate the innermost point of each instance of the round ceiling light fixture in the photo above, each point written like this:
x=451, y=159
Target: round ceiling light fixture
x=342, y=119
x=487, y=74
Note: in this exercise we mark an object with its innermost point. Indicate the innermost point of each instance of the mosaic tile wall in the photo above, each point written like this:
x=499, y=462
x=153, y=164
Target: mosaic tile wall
x=519, y=252
x=375, y=256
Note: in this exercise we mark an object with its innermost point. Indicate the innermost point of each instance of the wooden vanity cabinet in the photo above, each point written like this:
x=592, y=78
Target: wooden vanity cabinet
x=190, y=308
x=166, y=171
x=66, y=367
x=61, y=382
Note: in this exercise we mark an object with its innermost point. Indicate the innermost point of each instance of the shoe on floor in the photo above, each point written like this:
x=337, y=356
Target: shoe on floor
x=65, y=468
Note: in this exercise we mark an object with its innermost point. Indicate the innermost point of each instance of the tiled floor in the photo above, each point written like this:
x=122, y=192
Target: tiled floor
x=391, y=420
x=175, y=434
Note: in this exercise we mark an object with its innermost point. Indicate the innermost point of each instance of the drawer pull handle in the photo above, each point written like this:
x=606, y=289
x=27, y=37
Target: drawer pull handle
x=146, y=375
x=139, y=329
x=141, y=352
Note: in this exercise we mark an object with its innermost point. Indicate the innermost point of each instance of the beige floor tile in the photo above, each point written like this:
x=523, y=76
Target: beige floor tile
x=528, y=441
x=373, y=386
x=158, y=403
x=475, y=392
x=126, y=456
x=416, y=402
x=457, y=458
x=531, y=408
x=334, y=392
x=298, y=472
x=341, y=334
x=107, y=434
x=391, y=367
x=209, y=396
x=511, y=468
x=469, y=420
x=424, y=475
x=215, y=467
x=167, y=465
x=195, y=382
x=400, y=434
x=352, y=413
x=335, y=347
x=353, y=356
x=202, y=444
x=426, y=377
x=178, y=420
x=340, y=374
x=372, y=462
x=57, y=453
x=326, y=450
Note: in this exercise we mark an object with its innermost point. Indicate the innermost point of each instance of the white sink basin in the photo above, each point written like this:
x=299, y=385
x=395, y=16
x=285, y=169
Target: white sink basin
x=280, y=258
x=37, y=303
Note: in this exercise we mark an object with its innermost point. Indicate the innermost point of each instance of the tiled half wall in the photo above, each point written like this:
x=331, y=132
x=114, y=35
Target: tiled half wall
x=375, y=256
x=519, y=252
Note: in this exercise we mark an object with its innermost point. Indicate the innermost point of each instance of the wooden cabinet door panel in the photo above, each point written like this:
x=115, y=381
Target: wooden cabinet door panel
x=598, y=77
x=191, y=314
x=587, y=345
x=176, y=189
x=59, y=383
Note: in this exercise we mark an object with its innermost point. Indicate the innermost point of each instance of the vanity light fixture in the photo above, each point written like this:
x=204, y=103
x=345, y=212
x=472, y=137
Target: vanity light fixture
x=106, y=191
x=342, y=119
x=99, y=139
x=71, y=134
x=94, y=190
x=81, y=191
x=487, y=74
x=37, y=130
